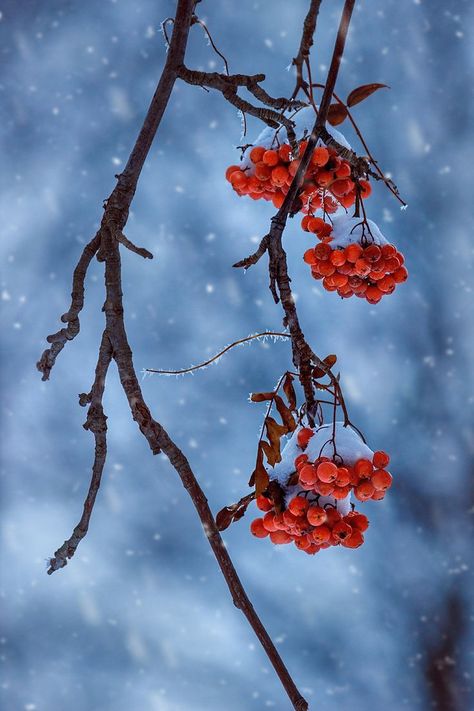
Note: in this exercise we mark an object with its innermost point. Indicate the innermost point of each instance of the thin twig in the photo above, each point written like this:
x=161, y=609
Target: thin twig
x=197, y=21
x=96, y=422
x=309, y=27
x=218, y=355
x=71, y=317
x=133, y=248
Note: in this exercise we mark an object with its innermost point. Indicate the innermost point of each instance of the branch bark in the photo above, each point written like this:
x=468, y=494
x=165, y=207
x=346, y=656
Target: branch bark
x=96, y=422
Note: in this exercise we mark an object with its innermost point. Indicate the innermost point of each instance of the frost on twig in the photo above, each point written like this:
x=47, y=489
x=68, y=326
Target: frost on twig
x=215, y=359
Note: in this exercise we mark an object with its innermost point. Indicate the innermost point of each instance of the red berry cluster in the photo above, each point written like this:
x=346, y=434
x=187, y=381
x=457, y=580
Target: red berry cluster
x=369, y=272
x=323, y=477
x=327, y=182
x=312, y=526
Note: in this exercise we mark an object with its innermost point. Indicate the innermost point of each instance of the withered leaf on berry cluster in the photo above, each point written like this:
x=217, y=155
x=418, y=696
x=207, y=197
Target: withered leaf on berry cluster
x=259, y=477
x=289, y=391
x=232, y=513
x=274, y=431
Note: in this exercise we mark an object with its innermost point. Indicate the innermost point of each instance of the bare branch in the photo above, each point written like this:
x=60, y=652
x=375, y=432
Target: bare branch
x=96, y=422
x=197, y=21
x=133, y=248
x=265, y=334
x=71, y=317
x=309, y=27
x=253, y=258
x=228, y=86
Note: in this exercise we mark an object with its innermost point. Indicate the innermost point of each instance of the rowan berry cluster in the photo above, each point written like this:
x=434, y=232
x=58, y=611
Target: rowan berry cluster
x=369, y=272
x=310, y=526
x=327, y=183
x=325, y=477
x=309, y=522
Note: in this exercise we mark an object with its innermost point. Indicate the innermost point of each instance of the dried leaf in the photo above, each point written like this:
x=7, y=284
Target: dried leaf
x=234, y=512
x=362, y=92
x=224, y=518
x=261, y=397
x=330, y=360
x=261, y=480
x=275, y=432
x=337, y=113
x=289, y=391
x=285, y=414
x=277, y=495
x=293, y=479
x=271, y=455
x=259, y=477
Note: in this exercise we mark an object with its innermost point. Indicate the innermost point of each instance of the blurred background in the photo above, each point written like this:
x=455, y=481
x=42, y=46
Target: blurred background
x=141, y=617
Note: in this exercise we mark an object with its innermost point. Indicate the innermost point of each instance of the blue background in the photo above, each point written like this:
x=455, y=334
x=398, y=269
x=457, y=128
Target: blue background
x=141, y=618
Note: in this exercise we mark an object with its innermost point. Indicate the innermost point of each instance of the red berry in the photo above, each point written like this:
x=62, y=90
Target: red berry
x=400, y=275
x=279, y=537
x=337, y=257
x=271, y=158
x=341, y=531
x=263, y=503
x=300, y=460
x=355, y=540
x=320, y=156
x=363, y=468
x=353, y=252
x=359, y=521
x=327, y=472
x=381, y=480
x=310, y=256
x=231, y=169
x=308, y=475
x=269, y=522
x=303, y=436
x=298, y=505
x=380, y=459
x=284, y=152
x=321, y=534
x=340, y=492
x=324, y=489
x=316, y=515
x=364, y=491
x=257, y=528
x=256, y=154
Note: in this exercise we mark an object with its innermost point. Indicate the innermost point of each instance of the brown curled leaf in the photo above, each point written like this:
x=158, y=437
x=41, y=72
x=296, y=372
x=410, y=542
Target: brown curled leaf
x=289, y=391
x=285, y=414
x=362, y=92
x=232, y=513
x=337, y=113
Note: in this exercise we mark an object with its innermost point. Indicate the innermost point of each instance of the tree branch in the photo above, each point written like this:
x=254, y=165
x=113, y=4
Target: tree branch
x=71, y=317
x=309, y=27
x=228, y=86
x=96, y=422
x=115, y=345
